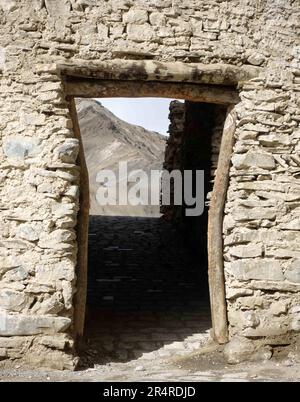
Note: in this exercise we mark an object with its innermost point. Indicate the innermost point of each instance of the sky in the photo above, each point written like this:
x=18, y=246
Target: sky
x=150, y=113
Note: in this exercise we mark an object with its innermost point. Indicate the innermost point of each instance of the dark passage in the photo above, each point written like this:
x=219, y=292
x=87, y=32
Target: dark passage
x=146, y=294
x=142, y=264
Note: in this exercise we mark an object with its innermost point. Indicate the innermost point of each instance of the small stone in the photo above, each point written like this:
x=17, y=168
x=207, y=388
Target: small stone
x=68, y=152
x=58, y=8
x=27, y=232
x=8, y=263
x=103, y=31
x=12, y=300
x=140, y=33
x=256, y=59
x=2, y=59
x=140, y=368
x=157, y=19
x=52, y=305
x=241, y=349
x=278, y=308
x=8, y=5
x=238, y=350
x=292, y=273
x=135, y=17
x=56, y=342
x=232, y=293
x=295, y=325
x=56, y=238
x=67, y=292
x=3, y=354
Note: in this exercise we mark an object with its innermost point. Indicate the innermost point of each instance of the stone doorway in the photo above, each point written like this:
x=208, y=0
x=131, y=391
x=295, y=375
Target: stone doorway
x=147, y=290
x=77, y=86
x=147, y=287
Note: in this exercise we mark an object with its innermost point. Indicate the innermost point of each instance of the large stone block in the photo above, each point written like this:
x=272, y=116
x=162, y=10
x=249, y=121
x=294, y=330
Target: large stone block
x=50, y=273
x=33, y=119
x=254, y=159
x=21, y=147
x=259, y=269
x=247, y=214
x=293, y=224
x=21, y=324
x=247, y=251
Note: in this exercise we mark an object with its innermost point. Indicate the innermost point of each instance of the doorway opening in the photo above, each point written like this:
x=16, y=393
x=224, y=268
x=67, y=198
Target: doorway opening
x=197, y=83
x=147, y=287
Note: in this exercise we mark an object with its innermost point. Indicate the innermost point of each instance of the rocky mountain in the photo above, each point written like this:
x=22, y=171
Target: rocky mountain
x=108, y=140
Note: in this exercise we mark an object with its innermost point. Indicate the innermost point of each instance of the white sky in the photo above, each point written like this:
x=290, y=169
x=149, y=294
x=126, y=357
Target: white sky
x=150, y=113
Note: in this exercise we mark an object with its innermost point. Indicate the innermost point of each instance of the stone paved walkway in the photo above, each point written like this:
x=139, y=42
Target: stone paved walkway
x=193, y=367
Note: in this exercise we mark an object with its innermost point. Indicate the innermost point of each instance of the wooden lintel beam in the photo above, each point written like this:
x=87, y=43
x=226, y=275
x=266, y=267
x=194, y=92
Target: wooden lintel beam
x=90, y=88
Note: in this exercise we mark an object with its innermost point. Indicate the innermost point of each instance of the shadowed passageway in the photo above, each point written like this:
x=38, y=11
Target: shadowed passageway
x=143, y=264
x=147, y=290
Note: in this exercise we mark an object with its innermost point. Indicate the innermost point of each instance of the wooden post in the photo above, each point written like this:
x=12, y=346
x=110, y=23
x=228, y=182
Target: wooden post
x=82, y=234
x=215, y=232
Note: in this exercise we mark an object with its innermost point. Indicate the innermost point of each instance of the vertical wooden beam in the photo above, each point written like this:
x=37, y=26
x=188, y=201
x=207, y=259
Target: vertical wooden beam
x=82, y=234
x=215, y=232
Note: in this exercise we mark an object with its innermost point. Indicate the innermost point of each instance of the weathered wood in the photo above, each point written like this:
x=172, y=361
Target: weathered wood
x=150, y=70
x=87, y=88
x=82, y=234
x=215, y=232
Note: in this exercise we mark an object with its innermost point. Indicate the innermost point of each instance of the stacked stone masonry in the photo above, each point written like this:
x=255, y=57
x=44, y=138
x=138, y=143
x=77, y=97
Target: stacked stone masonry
x=39, y=172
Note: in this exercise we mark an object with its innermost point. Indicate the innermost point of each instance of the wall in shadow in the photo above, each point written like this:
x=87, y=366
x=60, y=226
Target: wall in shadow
x=143, y=264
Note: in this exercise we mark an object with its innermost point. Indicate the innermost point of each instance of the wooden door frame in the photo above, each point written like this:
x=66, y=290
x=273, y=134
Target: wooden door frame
x=215, y=83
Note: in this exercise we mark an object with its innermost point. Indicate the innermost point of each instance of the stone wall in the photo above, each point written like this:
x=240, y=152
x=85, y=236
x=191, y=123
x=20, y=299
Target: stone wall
x=173, y=154
x=39, y=174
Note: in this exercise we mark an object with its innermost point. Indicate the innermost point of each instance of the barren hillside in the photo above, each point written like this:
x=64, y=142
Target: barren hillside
x=107, y=141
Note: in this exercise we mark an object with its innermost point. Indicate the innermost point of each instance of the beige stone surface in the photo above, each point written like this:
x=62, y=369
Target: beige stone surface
x=252, y=44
